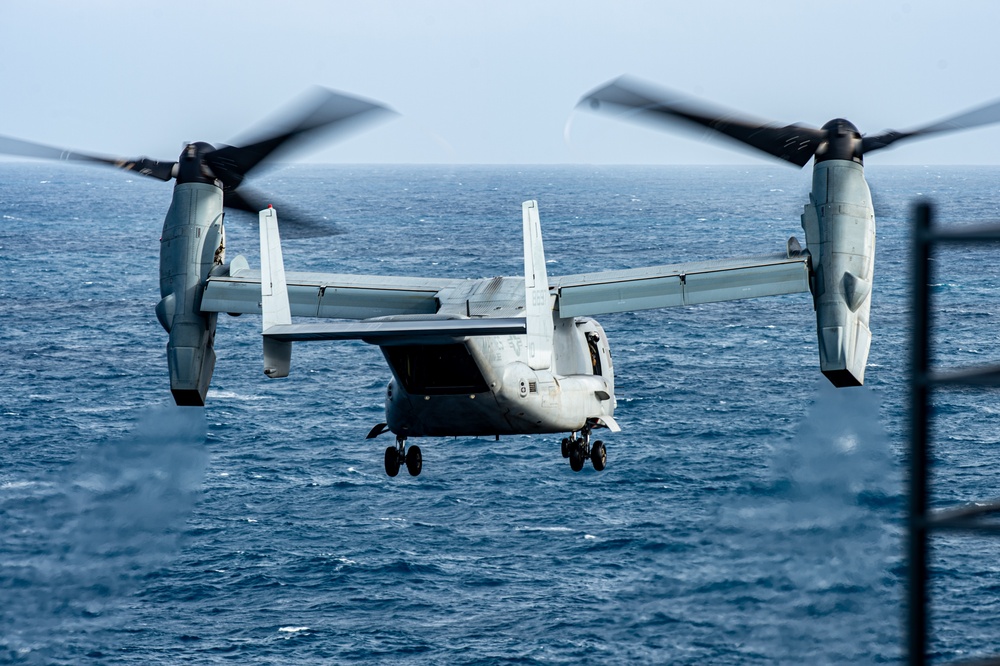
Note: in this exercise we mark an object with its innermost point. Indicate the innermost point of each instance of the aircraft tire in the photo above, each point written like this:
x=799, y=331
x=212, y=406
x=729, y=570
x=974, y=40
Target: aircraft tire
x=565, y=447
x=575, y=457
x=391, y=461
x=414, y=460
x=599, y=455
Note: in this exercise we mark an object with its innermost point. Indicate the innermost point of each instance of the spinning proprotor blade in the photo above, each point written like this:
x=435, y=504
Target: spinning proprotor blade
x=323, y=112
x=795, y=143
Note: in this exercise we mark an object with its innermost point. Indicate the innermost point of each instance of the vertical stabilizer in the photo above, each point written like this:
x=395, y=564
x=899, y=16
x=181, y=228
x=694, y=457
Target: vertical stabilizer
x=273, y=296
x=537, y=302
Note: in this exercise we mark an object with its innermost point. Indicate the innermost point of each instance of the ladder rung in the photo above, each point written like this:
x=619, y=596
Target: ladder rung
x=980, y=376
x=980, y=661
x=968, y=517
x=977, y=232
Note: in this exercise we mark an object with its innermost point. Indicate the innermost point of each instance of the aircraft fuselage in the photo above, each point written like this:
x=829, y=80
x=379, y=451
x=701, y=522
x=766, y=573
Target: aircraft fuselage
x=485, y=385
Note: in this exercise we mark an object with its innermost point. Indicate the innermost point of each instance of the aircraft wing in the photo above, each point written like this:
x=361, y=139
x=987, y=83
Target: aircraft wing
x=691, y=283
x=346, y=296
x=338, y=296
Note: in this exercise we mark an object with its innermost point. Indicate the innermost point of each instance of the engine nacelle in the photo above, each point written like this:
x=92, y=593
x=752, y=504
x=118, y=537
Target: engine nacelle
x=192, y=244
x=839, y=223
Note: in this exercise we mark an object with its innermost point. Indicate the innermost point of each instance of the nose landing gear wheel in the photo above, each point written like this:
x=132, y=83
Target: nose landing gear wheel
x=391, y=461
x=414, y=460
x=565, y=447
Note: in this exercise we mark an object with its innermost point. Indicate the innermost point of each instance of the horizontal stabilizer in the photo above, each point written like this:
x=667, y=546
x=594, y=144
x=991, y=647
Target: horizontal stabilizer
x=397, y=332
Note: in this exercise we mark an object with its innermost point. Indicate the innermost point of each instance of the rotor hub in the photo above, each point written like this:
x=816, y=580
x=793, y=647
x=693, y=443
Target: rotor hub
x=842, y=142
x=191, y=165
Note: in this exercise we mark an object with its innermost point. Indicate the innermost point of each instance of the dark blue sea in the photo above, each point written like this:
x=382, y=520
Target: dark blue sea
x=750, y=513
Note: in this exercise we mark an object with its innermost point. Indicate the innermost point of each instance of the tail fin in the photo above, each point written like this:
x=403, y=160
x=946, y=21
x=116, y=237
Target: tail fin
x=273, y=296
x=537, y=302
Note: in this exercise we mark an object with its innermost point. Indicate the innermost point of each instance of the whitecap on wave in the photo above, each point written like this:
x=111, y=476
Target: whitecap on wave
x=232, y=395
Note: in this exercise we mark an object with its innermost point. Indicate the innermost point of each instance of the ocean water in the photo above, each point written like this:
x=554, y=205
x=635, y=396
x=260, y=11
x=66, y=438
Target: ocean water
x=750, y=513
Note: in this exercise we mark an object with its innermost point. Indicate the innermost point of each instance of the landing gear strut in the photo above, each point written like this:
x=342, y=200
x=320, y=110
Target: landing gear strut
x=398, y=455
x=578, y=449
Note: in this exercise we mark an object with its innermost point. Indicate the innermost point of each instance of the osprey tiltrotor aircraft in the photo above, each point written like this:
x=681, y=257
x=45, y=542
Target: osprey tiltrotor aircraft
x=504, y=355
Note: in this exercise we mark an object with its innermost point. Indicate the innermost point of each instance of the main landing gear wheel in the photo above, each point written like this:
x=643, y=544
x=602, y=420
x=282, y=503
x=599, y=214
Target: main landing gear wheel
x=576, y=456
x=578, y=449
x=395, y=456
x=414, y=460
x=391, y=461
x=599, y=455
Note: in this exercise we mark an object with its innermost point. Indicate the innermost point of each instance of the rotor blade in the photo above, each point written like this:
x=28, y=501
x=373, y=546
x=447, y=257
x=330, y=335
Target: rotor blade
x=792, y=143
x=294, y=224
x=326, y=110
x=141, y=165
x=983, y=115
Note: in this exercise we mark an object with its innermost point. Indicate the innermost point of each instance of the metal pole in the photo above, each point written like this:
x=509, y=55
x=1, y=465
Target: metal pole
x=917, y=615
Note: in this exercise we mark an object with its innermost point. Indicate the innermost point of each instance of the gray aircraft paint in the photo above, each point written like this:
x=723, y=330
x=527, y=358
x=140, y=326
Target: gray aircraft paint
x=839, y=223
x=191, y=246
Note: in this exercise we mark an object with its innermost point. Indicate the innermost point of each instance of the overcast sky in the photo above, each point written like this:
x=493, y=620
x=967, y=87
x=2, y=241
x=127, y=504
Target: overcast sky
x=492, y=82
